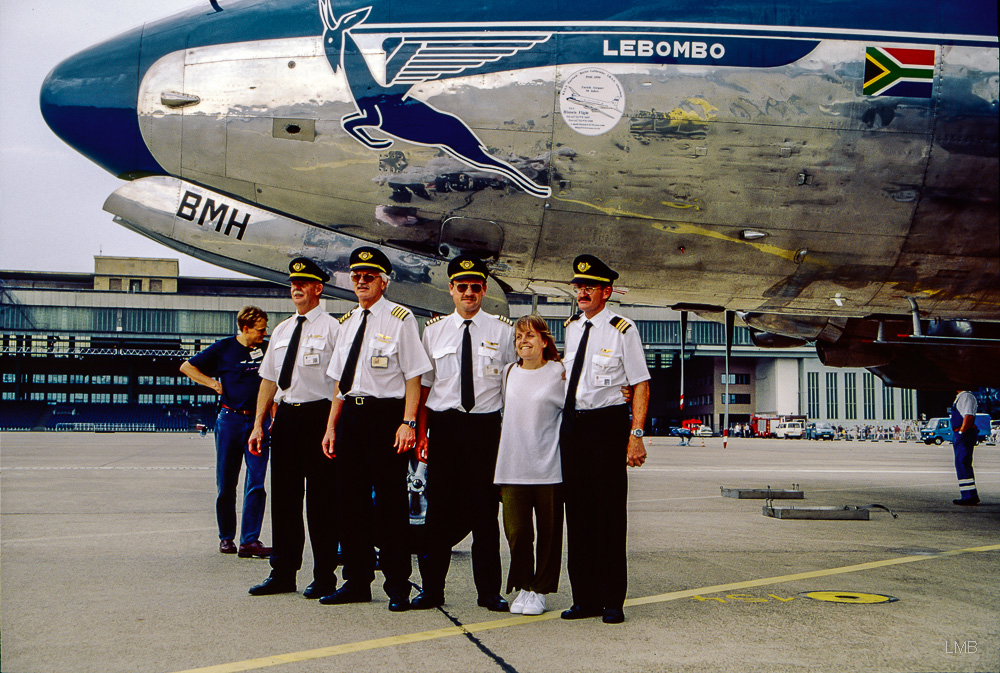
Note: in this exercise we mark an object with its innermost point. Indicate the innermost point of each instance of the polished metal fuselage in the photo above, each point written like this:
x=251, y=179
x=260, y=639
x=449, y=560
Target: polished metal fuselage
x=864, y=200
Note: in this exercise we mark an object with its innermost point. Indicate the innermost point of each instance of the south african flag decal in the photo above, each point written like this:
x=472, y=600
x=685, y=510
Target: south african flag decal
x=899, y=72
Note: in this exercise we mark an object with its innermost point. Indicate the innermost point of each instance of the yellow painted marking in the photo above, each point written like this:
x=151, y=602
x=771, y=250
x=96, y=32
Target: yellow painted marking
x=403, y=639
x=847, y=597
x=690, y=229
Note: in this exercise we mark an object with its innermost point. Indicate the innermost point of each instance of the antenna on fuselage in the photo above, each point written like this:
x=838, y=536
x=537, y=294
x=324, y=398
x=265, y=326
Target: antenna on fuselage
x=215, y=5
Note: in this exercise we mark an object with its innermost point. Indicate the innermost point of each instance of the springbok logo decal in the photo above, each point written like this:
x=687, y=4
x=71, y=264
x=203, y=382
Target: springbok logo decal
x=388, y=108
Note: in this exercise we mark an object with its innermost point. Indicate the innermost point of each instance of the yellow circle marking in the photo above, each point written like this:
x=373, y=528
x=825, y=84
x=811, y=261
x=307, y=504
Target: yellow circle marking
x=848, y=597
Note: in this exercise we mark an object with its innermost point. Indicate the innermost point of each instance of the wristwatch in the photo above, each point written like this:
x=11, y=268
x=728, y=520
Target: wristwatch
x=637, y=432
x=412, y=424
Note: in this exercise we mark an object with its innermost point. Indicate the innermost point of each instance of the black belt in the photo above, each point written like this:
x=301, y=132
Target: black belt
x=237, y=411
x=362, y=400
x=465, y=413
x=616, y=408
x=303, y=404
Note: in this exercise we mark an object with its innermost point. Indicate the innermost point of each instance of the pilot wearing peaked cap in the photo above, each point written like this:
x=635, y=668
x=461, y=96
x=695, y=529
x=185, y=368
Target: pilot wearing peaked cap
x=303, y=268
x=370, y=258
x=461, y=402
x=598, y=439
x=588, y=270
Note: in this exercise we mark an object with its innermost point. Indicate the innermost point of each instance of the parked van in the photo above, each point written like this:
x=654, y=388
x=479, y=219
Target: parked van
x=820, y=430
x=938, y=430
x=789, y=430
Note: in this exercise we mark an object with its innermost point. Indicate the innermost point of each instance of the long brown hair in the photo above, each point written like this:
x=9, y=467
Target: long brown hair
x=538, y=325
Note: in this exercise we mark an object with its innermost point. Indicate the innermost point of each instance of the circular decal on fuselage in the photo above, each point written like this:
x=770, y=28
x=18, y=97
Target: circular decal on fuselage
x=592, y=101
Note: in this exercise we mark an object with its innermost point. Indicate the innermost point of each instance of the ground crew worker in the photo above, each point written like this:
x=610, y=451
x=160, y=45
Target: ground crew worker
x=460, y=405
x=235, y=361
x=603, y=353
x=964, y=435
x=293, y=374
x=370, y=427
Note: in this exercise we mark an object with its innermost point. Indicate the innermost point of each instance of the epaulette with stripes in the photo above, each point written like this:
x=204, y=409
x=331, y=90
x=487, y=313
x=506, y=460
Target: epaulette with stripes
x=571, y=319
x=621, y=324
x=400, y=312
x=504, y=319
x=342, y=319
x=434, y=320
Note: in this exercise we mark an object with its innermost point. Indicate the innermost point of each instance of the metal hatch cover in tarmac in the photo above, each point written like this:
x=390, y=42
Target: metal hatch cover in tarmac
x=110, y=563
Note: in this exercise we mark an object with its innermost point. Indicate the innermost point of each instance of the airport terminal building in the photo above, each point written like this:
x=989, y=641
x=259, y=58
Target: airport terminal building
x=90, y=351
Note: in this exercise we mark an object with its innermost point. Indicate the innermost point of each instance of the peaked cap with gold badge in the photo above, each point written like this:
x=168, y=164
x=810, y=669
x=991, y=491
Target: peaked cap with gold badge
x=588, y=270
x=370, y=258
x=466, y=267
x=303, y=268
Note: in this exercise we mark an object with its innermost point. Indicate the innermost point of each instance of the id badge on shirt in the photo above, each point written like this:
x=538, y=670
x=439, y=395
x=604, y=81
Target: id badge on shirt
x=310, y=359
x=380, y=362
x=602, y=380
x=256, y=354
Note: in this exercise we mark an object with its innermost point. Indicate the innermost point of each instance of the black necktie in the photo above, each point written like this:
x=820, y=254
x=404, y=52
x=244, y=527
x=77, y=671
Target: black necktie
x=468, y=387
x=574, y=376
x=347, y=378
x=285, y=377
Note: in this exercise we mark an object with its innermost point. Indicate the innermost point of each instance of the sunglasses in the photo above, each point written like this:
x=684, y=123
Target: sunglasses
x=475, y=287
x=357, y=277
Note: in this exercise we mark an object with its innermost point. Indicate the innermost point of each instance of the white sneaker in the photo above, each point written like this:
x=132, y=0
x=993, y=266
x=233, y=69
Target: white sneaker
x=517, y=607
x=535, y=604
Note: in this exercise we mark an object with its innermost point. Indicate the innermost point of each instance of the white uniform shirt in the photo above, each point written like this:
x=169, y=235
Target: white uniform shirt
x=492, y=348
x=529, y=438
x=966, y=403
x=309, y=380
x=390, y=354
x=614, y=358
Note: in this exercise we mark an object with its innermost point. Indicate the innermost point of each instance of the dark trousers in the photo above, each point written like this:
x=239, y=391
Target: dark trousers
x=367, y=461
x=964, y=445
x=526, y=507
x=299, y=468
x=461, y=497
x=594, y=448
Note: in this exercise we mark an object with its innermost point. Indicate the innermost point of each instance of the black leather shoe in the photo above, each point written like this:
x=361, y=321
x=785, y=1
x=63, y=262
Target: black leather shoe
x=580, y=612
x=399, y=603
x=273, y=585
x=349, y=593
x=613, y=616
x=426, y=600
x=227, y=547
x=966, y=502
x=319, y=589
x=494, y=603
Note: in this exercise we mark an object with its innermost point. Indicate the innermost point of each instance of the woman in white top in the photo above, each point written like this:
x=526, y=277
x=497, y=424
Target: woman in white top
x=529, y=470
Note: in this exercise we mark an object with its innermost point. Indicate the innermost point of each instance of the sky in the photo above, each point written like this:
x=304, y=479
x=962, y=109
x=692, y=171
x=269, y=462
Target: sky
x=51, y=197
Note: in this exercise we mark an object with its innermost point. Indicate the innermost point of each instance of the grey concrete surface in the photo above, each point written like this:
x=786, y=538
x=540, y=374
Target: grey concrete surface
x=110, y=563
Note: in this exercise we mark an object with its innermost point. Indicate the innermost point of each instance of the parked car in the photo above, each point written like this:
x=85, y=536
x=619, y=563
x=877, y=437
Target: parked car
x=938, y=430
x=704, y=431
x=789, y=430
x=820, y=430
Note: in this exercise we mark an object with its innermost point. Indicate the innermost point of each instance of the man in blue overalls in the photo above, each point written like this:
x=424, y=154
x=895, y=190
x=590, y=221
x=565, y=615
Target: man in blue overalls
x=964, y=434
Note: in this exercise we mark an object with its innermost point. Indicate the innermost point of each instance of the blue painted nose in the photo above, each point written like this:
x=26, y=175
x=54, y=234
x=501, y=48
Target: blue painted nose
x=89, y=100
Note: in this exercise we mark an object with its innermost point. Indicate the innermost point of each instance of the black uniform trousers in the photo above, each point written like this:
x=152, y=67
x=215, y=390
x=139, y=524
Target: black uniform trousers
x=594, y=447
x=462, y=498
x=300, y=468
x=367, y=461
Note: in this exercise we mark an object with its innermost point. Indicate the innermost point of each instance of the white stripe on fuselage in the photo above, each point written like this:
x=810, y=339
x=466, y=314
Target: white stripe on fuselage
x=792, y=32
